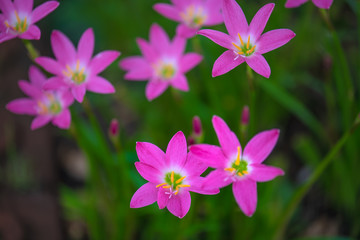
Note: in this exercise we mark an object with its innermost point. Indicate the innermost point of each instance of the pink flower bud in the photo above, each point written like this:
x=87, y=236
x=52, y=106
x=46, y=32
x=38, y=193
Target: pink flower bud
x=245, y=115
x=114, y=128
x=197, y=126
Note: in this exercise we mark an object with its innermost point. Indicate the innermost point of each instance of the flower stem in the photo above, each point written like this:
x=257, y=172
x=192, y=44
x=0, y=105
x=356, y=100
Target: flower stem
x=33, y=53
x=252, y=99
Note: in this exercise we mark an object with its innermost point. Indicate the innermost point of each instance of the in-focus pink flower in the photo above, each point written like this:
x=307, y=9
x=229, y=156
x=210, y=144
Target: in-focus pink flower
x=192, y=14
x=163, y=63
x=76, y=69
x=242, y=169
x=246, y=43
x=319, y=3
x=47, y=106
x=171, y=175
x=17, y=18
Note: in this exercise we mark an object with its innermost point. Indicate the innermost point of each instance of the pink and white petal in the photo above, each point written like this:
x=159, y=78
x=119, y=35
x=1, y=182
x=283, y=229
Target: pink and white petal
x=217, y=37
x=144, y=196
x=189, y=61
x=180, y=82
x=22, y=106
x=261, y=145
x=218, y=178
x=197, y=184
x=274, y=39
x=6, y=6
x=40, y=121
x=168, y=11
x=86, y=46
x=66, y=97
x=99, y=84
x=176, y=151
x=258, y=63
x=43, y=10
x=179, y=205
x=140, y=74
x=63, y=49
x=102, y=60
x=294, y=3
x=32, y=33
x=326, y=4
x=226, y=62
x=234, y=18
x=245, y=193
x=6, y=36
x=62, y=120
x=263, y=173
x=147, y=50
x=29, y=89
x=211, y=155
x=54, y=83
x=36, y=77
x=79, y=92
x=194, y=166
x=155, y=88
x=228, y=141
x=177, y=47
x=184, y=31
x=158, y=38
x=260, y=20
x=25, y=6
x=132, y=63
x=148, y=172
x=162, y=197
x=50, y=65
x=150, y=154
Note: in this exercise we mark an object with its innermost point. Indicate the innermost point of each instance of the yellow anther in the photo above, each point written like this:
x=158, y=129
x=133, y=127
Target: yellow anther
x=66, y=73
x=17, y=17
x=237, y=162
x=180, y=179
x=7, y=24
x=230, y=169
x=241, y=41
x=77, y=65
x=182, y=185
x=245, y=172
x=172, y=177
x=161, y=184
x=43, y=108
x=240, y=53
x=238, y=48
x=239, y=173
x=168, y=186
x=69, y=70
x=253, y=48
x=24, y=25
x=176, y=192
x=248, y=42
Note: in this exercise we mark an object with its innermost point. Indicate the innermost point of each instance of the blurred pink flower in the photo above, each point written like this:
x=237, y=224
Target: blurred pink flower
x=319, y=3
x=246, y=43
x=75, y=69
x=17, y=18
x=163, y=63
x=192, y=14
x=233, y=166
x=45, y=105
x=171, y=175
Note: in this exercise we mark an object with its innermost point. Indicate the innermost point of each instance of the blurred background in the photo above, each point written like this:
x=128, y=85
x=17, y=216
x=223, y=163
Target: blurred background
x=77, y=184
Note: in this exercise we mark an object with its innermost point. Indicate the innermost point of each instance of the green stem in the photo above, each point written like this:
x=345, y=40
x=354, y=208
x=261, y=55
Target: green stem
x=33, y=53
x=252, y=100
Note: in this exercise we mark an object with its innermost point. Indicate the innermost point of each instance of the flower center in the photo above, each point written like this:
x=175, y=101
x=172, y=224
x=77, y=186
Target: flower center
x=165, y=70
x=193, y=16
x=20, y=25
x=49, y=105
x=77, y=75
x=173, y=181
x=239, y=166
x=244, y=49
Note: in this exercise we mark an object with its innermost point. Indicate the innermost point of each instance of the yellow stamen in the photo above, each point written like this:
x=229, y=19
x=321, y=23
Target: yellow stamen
x=248, y=43
x=161, y=184
x=66, y=73
x=17, y=17
x=245, y=172
x=168, y=186
x=24, y=25
x=237, y=162
x=238, y=48
x=172, y=177
x=177, y=190
x=43, y=108
x=7, y=24
x=241, y=53
x=191, y=10
x=180, y=179
x=69, y=70
x=253, y=48
x=230, y=169
x=182, y=185
x=241, y=41
x=77, y=65
x=239, y=173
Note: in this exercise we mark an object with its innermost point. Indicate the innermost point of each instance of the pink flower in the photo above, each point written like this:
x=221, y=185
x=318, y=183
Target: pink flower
x=76, y=69
x=319, y=3
x=45, y=105
x=17, y=18
x=192, y=14
x=243, y=169
x=163, y=63
x=246, y=43
x=171, y=175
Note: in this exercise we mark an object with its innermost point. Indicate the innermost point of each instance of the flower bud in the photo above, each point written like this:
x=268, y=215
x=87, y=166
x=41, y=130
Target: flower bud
x=245, y=115
x=114, y=128
x=197, y=129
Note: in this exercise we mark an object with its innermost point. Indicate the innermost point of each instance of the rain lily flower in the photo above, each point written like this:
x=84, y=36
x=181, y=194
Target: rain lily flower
x=319, y=3
x=163, y=63
x=171, y=175
x=246, y=43
x=76, y=69
x=47, y=106
x=192, y=14
x=17, y=18
x=242, y=169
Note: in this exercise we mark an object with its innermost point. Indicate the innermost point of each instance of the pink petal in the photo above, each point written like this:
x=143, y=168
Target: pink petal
x=234, y=18
x=22, y=106
x=218, y=178
x=263, y=173
x=4, y=37
x=184, y=31
x=323, y=3
x=162, y=197
x=214, y=12
x=177, y=47
x=138, y=67
x=144, y=196
x=217, y=37
x=155, y=88
x=245, y=194
x=294, y=3
x=258, y=63
x=158, y=38
x=148, y=172
x=43, y=10
x=54, y=83
x=99, y=84
x=227, y=139
x=226, y=62
x=6, y=6
x=168, y=11
x=274, y=39
x=260, y=146
x=32, y=33
x=180, y=3
x=176, y=151
x=79, y=92
x=40, y=121
x=132, y=63
x=66, y=97
x=194, y=166
x=50, y=65
x=150, y=154
x=86, y=46
x=260, y=19
x=36, y=77
x=102, y=60
x=179, y=205
x=29, y=89
x=147, y=50
x=198, y=185
x=189, y=61
x=62, y=120
x=25, y=6
x=180, y=82
x=63, y=49
x=211, y=155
